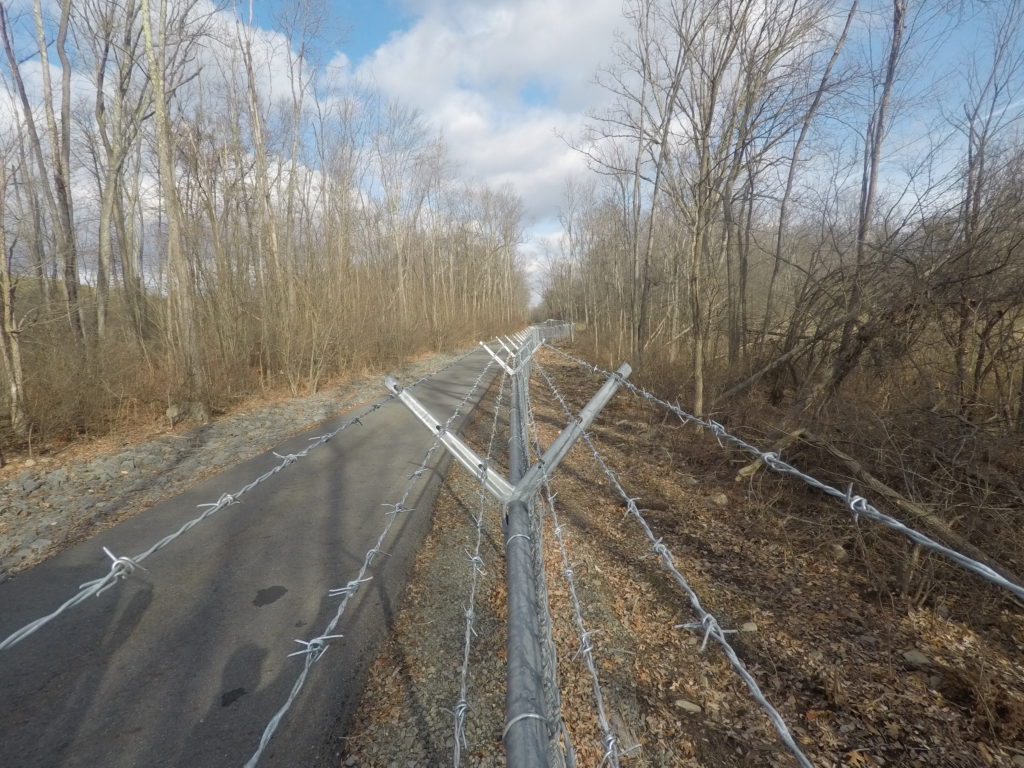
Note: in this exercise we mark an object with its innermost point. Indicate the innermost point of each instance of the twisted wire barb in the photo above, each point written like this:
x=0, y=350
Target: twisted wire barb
x=712, y=629
x=316, y=647
x=122, y=566
x=476, y=562
x=857, y=505
x=609, y=741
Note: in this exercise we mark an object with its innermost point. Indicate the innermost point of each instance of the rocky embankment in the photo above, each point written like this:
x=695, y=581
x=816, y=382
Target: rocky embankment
x=51, y=504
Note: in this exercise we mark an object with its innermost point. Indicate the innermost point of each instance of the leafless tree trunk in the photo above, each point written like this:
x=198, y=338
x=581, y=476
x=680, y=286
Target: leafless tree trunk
x=57, y=195
x=183, y=332
x=60, y=153
x=10, y=332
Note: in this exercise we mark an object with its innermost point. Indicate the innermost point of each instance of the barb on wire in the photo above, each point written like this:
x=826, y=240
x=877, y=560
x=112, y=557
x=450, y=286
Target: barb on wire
x=349, y=588
x=609, y=740
x=476, y=570
x=120, y=567
x=706, y=621
x=128, y=564
x=316, y=647
x=857, y=505
x=710, y=626
x=315, y=652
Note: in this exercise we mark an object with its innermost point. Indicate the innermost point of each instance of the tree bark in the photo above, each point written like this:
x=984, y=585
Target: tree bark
x=184, y=337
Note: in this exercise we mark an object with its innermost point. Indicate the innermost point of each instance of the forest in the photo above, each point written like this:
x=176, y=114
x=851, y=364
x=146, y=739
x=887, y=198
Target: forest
x=802, y=217
x=805, y=219
x=195, y=209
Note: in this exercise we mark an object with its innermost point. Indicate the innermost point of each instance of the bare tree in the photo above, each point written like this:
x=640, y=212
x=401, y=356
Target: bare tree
x=183, y=329
x=10, y=329
x=860, y=328
x=258, y=236
x=57, y=194
x=123, y=101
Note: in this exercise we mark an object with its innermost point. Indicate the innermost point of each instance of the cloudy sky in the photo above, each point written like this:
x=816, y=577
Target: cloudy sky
x=502, y=80
x=505, y=82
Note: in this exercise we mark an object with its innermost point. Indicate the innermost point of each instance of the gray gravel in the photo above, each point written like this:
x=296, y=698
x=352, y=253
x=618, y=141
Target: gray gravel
x=48, y=505
x=406, y=715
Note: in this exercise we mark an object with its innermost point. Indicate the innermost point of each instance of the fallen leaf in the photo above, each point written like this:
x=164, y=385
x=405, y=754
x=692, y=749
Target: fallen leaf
x=985, y=753
x=859, y=758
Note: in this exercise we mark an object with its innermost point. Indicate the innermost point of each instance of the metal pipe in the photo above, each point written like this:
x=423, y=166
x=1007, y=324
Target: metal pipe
x=498, y=486
x=527, y=735
x=526, y=718
x=527, y=485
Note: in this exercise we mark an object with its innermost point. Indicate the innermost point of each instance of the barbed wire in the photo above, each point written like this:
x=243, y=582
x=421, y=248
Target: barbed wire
x=857, y=505
x=462, y=705
x=706, y=621
x=549, y=653
x=121, y=567
x=609, y=741
x=315, y=648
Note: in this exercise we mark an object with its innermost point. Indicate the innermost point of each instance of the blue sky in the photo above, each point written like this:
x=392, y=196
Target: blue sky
x=502, y=80
x=362, y=25
x=369, y=23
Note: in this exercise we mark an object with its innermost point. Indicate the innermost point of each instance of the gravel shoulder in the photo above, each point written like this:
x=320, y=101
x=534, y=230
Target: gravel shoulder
x=50, y=505
x=406, y=716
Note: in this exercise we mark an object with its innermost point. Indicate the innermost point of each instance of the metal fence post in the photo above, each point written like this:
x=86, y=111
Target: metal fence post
x=526, y=724
x=527, y=736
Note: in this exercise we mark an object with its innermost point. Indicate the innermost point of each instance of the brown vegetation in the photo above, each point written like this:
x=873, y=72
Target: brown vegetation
x=175, y=231
x=766, y=243
x=861, y=675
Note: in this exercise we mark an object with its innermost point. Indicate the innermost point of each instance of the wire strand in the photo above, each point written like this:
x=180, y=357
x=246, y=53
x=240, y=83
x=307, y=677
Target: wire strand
x=857, y=505
x=476, y=569
x=706, y=621
x=315, y=648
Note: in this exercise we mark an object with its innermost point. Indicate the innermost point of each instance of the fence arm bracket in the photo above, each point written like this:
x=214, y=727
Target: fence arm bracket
x=505, y=366
x=497, y=485
x=531, y=481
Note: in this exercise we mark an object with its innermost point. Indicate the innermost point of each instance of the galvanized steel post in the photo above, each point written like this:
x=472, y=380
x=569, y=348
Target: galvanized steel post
x=530, y=732
x=526, y=723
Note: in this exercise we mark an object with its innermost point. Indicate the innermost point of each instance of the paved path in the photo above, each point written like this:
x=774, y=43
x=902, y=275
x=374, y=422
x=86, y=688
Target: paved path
x=184, y=664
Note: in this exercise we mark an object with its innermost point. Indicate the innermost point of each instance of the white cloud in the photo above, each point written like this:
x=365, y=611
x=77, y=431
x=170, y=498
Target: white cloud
x=502, y=44
x=338, y=72
x=464, y=65
x=537, y=254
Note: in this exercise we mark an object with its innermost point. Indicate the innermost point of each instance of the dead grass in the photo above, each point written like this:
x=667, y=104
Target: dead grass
x=829, y=641
x=829, y=644
x=133, y=425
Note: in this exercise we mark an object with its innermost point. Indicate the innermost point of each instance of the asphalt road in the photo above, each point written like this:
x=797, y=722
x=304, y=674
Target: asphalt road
x=184, y=664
